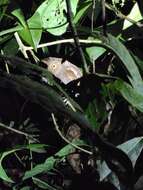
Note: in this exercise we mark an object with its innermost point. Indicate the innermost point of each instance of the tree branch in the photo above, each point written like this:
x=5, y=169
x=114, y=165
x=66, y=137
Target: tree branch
x=75, y=35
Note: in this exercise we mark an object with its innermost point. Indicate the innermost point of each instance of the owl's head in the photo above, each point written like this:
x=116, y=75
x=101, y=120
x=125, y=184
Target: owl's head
x=65, y=71
x=54, y=64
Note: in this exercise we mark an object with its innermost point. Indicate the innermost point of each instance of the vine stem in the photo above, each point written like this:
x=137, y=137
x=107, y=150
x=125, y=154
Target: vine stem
x=65, y=139
x=24, y=48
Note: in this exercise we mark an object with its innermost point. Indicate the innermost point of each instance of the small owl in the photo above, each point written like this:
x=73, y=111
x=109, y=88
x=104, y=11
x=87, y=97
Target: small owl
x=65, y=71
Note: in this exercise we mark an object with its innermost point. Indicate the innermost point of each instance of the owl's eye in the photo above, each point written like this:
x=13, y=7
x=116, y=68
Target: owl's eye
x=54, y=66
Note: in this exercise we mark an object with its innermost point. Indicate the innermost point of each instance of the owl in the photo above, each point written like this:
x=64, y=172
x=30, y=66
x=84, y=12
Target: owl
x=65, y=71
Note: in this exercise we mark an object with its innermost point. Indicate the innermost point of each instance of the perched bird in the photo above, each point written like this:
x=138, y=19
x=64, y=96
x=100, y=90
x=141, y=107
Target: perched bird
x=65, y=71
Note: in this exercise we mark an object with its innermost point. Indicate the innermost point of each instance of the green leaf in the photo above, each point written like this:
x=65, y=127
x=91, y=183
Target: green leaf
x=3, y=174
x=68, y=149
x=135, y=15
x=123, y=54
x=113, y=44
x=43, y=18
x=138, y=60
x=82, y=10
x=32, y=29
x=91, y=113
x=95, y=52
x=35, y=26
x=48, y=165
x=50, y=9
x=132, y=148
x=130, y=94
x=18, y=13
x=35, y=30
x=50, y=162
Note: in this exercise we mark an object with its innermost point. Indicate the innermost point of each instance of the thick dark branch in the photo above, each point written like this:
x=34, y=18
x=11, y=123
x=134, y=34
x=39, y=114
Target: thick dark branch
x=75, y=35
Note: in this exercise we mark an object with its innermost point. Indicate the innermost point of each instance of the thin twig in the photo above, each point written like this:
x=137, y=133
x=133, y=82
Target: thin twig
x=6, y=64
x=17, y=131
x=70, y=105
x=122, y=16
x=65, y=139
x=22, y=47
x=92, y=15
x=34, y=56
x=104, y=17
x=75, y=35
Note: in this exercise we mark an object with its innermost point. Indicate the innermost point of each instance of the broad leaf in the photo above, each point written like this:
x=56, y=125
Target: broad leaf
x=18, y=13
x=50, y=9
x=69, y=148
x=114, y=45
x=48, y=165
x=83, y=8
x=130, y=94
x=123, y=54
x=32, y=33
x=50, y=162
x=132, y=148
x=32, y=29
x=92, y=112
x=135, y=15
x=95, y=52
x=120, y=50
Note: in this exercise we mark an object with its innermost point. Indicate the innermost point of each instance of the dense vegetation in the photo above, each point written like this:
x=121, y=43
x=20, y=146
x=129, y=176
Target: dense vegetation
x=83, y=134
